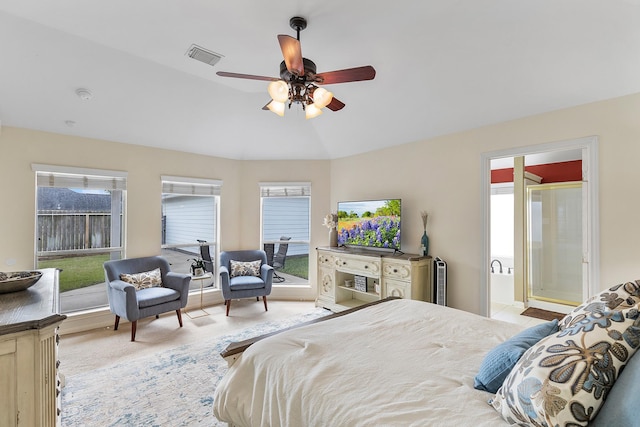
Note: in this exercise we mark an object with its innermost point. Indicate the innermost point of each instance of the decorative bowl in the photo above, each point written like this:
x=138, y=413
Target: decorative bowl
x=18, y=280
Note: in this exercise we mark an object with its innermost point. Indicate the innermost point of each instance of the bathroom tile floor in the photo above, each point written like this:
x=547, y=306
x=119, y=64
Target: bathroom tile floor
x=511, y=313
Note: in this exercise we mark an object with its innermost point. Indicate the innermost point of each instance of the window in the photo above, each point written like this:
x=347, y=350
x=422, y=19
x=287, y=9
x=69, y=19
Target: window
x=80, y=217
x=285, y=229
x=190, y=212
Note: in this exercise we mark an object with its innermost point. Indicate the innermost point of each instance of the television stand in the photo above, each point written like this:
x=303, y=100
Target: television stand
x=349, y=278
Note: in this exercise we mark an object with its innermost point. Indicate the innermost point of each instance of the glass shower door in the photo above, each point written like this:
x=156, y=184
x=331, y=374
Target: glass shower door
x=554, y=243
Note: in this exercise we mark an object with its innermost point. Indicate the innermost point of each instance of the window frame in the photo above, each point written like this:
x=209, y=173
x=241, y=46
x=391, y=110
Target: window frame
x=69, y=177
x=196, y=187
x=283, y=190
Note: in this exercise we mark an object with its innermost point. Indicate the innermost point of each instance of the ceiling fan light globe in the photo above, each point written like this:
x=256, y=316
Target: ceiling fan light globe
x=276, y=107
x=322, y=97
x=312, y=111
x=278, y=90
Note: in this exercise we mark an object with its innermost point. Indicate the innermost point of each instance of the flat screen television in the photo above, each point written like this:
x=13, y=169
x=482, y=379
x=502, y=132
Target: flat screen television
x=370, y=223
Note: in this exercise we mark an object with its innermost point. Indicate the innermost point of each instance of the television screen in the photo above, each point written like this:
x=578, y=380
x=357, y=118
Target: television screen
x=369, y=223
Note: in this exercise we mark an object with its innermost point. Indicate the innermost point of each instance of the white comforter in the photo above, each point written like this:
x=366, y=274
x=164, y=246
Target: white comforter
x=399, y=363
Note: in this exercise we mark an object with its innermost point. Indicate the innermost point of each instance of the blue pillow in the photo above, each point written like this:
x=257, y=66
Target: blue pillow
x=620, y=407
x=502, y=358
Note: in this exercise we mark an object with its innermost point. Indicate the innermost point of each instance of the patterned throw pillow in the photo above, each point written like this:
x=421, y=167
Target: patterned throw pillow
x=146, y=279
x=564, y=379
x=618, y=297
x=248, y=268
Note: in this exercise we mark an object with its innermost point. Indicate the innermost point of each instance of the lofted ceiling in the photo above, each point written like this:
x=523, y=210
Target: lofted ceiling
x=442, y=66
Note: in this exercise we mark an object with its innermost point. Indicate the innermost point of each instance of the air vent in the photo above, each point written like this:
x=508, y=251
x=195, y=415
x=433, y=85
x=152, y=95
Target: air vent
x=203, y=55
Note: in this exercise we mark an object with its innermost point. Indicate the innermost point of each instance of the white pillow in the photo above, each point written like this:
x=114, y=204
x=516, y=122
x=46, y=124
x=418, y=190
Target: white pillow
x=146, y=279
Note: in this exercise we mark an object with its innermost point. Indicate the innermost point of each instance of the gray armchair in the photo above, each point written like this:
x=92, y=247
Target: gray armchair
x=245, y=286
x=127, y=302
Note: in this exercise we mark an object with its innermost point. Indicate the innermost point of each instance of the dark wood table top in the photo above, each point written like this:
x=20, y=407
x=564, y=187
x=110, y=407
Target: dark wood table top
x=34, y=308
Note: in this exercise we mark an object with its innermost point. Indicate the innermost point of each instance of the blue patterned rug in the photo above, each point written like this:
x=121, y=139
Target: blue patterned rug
x=173, y=388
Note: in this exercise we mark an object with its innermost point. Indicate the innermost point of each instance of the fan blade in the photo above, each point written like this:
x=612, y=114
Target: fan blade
x=246, y=76
x=335, y=105
x=292, y=53
x=347, y=75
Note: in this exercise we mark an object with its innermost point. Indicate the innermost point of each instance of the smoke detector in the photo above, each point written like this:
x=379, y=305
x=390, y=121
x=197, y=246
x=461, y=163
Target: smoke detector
x=84, y=94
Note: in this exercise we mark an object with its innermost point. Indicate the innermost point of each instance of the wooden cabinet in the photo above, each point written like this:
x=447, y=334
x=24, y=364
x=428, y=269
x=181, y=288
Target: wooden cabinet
x=29, y=383
x=379, y=275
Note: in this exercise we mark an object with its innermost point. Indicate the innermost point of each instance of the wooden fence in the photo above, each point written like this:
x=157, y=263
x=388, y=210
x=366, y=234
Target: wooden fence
x=72, y=230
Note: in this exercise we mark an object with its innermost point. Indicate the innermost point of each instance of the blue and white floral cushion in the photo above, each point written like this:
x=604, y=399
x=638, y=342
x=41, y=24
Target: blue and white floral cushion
x=618, y=297
x=245, y=268
x=564, y=379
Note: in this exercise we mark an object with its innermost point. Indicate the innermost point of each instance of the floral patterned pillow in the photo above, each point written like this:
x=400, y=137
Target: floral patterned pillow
x=146, y=279
x=618, y=297
x=564, y=379
x=248, y=268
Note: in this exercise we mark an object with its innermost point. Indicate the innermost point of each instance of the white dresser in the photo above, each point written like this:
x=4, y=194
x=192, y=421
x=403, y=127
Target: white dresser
x=341, y=272
x=29, y=384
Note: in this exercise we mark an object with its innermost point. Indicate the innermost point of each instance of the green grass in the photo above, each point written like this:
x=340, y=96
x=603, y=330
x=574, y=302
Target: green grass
x=81, y=271
x=297, y=265
x=78, y=271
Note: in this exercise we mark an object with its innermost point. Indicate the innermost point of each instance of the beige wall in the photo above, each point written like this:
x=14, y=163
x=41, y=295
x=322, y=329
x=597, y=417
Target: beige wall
x=441, y=175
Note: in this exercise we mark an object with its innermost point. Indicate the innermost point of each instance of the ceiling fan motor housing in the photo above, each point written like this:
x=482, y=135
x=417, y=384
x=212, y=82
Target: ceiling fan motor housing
x=308, y=76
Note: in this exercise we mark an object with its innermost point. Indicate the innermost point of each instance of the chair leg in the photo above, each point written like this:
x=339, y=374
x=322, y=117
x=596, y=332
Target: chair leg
x=228, y=304
x=157, y=316
x=115, y=327
x=133, y=330
x=179, y=317
x=257, y=298
x=264, y=298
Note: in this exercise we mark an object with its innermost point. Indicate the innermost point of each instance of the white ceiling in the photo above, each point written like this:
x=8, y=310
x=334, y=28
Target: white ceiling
x=442, y=66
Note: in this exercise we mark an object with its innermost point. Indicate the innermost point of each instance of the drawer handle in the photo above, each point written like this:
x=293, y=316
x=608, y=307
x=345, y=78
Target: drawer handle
x=366, y=266
x=395, y=270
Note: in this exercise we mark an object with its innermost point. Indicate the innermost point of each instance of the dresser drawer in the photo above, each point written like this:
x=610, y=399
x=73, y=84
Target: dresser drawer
x=396, y=270
x=358, y=265
x=325, y=260
x=397, y=288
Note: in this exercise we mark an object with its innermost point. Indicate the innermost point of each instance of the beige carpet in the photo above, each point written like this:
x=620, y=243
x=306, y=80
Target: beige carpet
x=95, y=349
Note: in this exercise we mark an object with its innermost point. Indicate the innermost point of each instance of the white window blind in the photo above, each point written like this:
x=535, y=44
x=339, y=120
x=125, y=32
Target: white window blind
x=191, y=186
x=70, y=177
x=285, y=189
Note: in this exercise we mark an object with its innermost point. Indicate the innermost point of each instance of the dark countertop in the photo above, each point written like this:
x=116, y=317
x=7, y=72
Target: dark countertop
x=34, y=308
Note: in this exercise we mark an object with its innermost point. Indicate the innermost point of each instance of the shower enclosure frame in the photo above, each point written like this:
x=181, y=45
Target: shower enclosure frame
x=554, y=244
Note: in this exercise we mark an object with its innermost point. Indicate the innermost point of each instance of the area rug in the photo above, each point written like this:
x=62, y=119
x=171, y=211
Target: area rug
x=539, y=313
x=172, y=388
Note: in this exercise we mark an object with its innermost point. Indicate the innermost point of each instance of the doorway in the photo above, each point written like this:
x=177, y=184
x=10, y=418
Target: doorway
x=588, y=254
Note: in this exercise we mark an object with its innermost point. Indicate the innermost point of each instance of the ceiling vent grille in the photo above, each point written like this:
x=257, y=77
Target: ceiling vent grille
x=203, y=55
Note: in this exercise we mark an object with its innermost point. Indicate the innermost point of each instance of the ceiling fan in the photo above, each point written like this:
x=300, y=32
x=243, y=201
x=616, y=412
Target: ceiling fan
x=298, y=82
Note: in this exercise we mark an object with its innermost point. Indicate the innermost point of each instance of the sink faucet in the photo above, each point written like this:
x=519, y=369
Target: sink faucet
x=499, y=263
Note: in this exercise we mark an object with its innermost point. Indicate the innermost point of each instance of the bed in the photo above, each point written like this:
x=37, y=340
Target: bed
x=398, y=363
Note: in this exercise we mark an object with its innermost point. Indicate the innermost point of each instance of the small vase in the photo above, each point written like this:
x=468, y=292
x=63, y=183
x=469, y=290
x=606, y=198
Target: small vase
x=333, y=238
x=425, y=243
